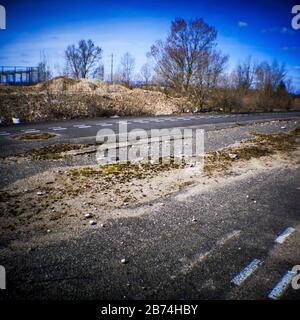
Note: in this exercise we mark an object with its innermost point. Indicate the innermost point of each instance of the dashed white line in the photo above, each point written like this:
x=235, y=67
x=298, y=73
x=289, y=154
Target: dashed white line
x=281, y=286
x=77, y=125
x=83, y=127
x=31, y=131
x=285, y=234
x=57, y=128
x=140, y=121
x=104, y=124
x=245, y=273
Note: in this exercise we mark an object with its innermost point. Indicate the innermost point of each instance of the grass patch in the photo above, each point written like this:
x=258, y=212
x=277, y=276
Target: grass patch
x=223, y=159
x=53, y=152
x=35, y=136
x=278, y=142
x=124, y=172
x=260, y=146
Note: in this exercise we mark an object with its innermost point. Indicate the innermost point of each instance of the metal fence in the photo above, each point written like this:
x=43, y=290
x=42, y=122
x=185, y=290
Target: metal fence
x=19, y=75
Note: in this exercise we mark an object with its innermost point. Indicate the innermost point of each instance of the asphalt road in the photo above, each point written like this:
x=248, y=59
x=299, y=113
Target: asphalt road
x=73, y=129
x=181, y=247
x=85, y=130
x=169, y=255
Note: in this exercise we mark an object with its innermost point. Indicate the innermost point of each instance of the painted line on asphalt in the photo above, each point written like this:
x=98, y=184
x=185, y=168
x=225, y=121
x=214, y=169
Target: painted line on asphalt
x=284, y=235
x=31, y=131
x=79, y=125
x=246, y=272
x=104, y=124
x=83, y=127
x=281, y=286
x=140, y=121
x=57, y=128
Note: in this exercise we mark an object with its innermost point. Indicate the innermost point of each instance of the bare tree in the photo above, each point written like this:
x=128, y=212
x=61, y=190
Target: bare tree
x=244, y=75
x=268, y=76
x=81, y=61
x=99, y=73
x=44, y=71
x=207, y=76
x=270, y=83
x=146, y=72
x=127, y=64
x=178, y=58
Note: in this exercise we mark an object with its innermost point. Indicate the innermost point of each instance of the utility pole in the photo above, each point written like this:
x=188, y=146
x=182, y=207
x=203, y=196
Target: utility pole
x=112, y=68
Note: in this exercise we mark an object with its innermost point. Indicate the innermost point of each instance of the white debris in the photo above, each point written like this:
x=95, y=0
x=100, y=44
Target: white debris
x=15, y=120
x=48, y=231
x=194, y=219
x=40, y=193
x=283, y=127
x=124, y=261
x=232, y=155
x=102, y=225
x=92, y=222
x=87, y=215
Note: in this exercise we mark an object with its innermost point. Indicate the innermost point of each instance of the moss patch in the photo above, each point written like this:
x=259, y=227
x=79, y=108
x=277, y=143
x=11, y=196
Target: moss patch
x=261, y=145
x=124, y=172
x=35, y=136
x=53, y=152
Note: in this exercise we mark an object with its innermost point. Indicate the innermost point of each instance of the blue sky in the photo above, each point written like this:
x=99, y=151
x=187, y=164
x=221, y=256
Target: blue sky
x=261, y=29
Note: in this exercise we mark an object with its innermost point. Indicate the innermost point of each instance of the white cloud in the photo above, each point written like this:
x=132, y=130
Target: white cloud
x=243, y=24
x=282, y=30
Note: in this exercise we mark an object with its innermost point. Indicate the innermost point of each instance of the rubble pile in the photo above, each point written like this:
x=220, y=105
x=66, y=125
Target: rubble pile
x=64, y=98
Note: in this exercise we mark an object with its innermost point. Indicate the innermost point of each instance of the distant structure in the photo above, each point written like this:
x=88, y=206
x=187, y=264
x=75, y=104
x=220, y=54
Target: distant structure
x=19, y=75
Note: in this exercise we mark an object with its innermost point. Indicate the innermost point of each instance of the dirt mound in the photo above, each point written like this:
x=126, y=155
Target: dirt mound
x=65, y=98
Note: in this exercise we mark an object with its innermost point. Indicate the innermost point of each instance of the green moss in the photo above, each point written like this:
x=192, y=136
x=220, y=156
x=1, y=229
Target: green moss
x=35, y=136
x=262, y=145
x=53, y=152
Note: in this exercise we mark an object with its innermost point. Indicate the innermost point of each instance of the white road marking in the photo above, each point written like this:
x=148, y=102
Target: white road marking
x=28, y=130
x=245, y=273
x=140, y=121
x=157, y=120
x=3, y=133
x=281, y=286
x=104, y=124
x=285, y=234
x=31, y=131
x=83, y=127
x=57, y=128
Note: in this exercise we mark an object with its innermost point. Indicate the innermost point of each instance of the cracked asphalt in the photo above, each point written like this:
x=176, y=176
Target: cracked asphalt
x=169, y=255
x=185, y=246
